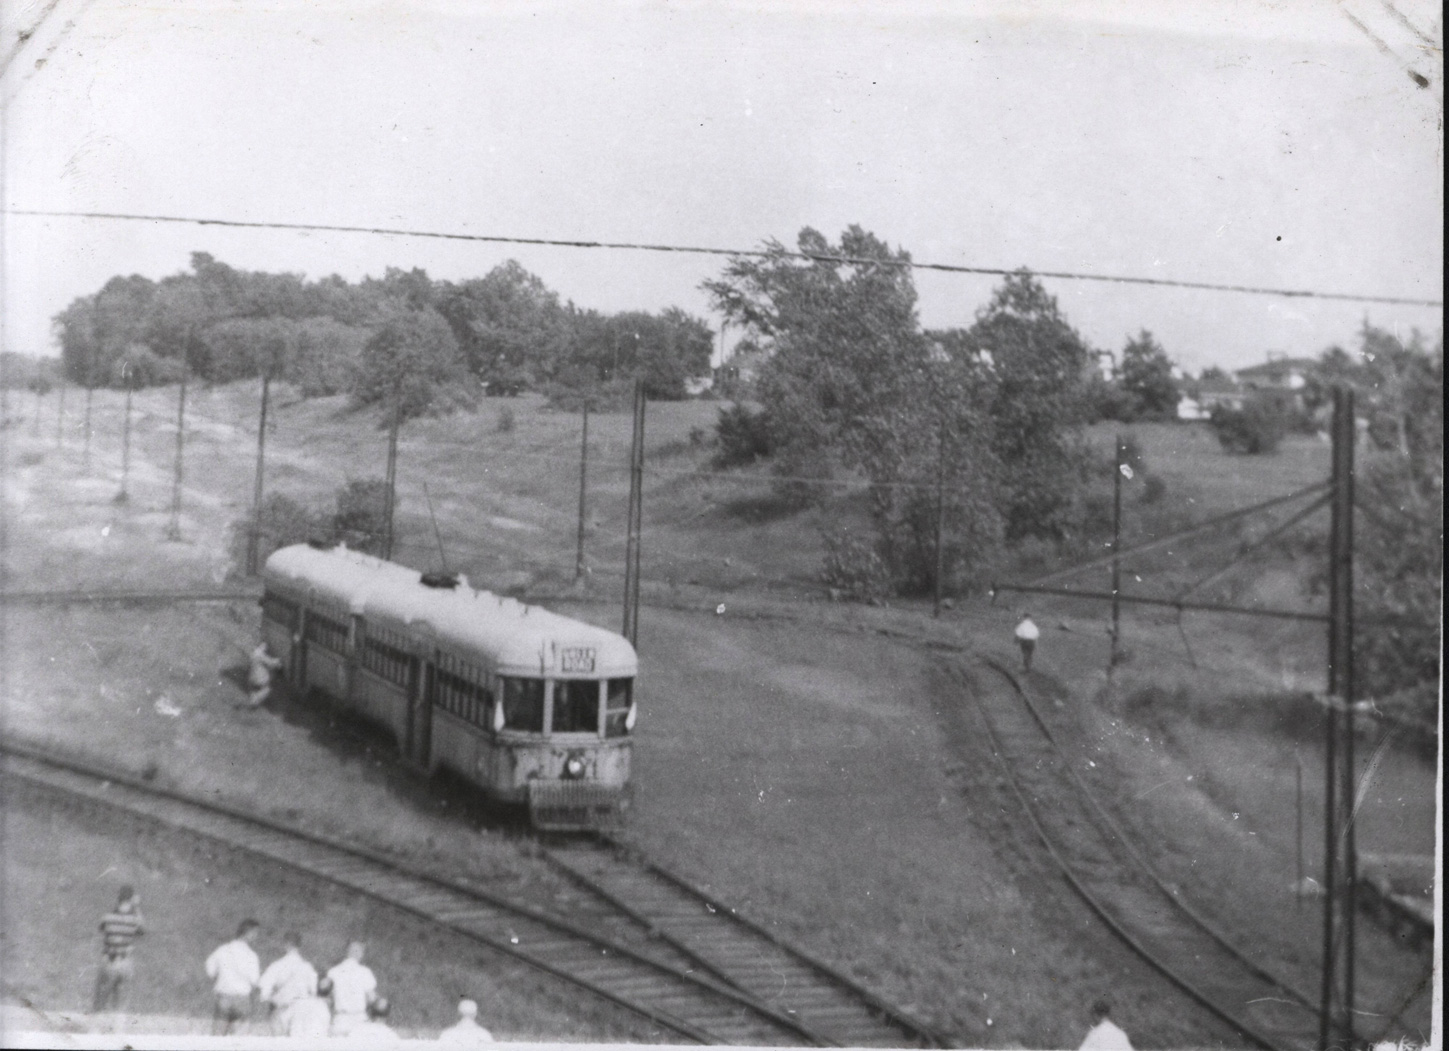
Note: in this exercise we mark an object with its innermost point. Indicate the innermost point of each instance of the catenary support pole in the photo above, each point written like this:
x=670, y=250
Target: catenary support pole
x=636, y=516
x=1298, y=831
x=1117, y=465
x=173, y=531
x=86, y=436
x=1339, y=862
x=124, y=494
x=390, y=497
x=60, y=415
x=583, y=493
x=940, y=513
x=255, y=540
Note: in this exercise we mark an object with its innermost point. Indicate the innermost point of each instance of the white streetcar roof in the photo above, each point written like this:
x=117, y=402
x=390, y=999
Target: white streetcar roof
x=507, y=635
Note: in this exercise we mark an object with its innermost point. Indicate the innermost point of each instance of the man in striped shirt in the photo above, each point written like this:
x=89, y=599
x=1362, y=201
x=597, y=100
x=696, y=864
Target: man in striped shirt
x=119, y=930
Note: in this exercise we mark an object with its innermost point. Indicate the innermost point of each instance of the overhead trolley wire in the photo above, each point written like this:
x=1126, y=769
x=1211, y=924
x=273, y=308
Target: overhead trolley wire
x=747, y=253
x=1256, y=545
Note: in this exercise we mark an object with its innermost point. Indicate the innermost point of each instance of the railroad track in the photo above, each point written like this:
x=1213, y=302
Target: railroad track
x=1116, y=882
x=618, y=888
x=651, y=977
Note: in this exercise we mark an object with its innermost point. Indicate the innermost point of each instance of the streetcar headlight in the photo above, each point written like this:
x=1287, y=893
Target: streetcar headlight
x=574, y=766
x=631, y=718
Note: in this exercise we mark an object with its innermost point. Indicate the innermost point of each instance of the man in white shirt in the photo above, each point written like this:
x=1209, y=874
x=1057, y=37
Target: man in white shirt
x=1104, y=1036
x=466, y=1032
x=1026, y=635
x=353, y=988
x=259, y=676
x=234, y=971
x=287, y=980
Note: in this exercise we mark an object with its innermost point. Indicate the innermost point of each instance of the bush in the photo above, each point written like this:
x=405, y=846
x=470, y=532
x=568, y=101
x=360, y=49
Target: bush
x=283, y=522
x=1257, y=428
x=854, y=566
x=505, y=420
x=744, y=437
x=361, y=518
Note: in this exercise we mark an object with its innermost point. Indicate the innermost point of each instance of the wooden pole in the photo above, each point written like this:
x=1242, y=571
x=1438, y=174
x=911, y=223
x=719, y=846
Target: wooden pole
x=940, y=513
x=1298, y=830
x=124, y=494
x=60, y=415
x=583, y=493
x=636, y=517
x=390, y=500
x=255, y=541
x=173, y=531
x=1339, y=862
x=86, y=437
x=1116, y=548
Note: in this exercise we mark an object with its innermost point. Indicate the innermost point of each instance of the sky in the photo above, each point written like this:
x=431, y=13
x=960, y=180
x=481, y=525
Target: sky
x=1241, y=142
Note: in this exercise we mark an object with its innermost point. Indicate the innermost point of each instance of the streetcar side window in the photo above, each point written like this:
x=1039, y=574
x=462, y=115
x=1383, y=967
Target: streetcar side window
x=576, y=706
x=384, y=655
x=620, y=696
x=326, y=632
x=522, y=704
x=282, y=611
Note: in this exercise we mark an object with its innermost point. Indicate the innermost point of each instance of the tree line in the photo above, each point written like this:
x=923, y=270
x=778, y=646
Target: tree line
x=428, y=343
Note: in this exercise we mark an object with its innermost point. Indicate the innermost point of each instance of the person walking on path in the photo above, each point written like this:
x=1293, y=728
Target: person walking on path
x=1104, y=1034
x=119, y=930
x=288, y=980
x=1026, y=635
x=260, y=675
x=466, y=1032
x=354, y=988
x=234, y=971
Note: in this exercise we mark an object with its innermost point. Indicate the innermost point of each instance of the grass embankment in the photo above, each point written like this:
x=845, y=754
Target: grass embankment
x=63, y=863
x=812, y=770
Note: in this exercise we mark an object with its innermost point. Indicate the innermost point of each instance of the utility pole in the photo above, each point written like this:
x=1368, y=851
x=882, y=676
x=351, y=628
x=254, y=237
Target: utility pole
x=124, y=494
x=636, y=515
x=583, y=493
x=254, y=543
x=390, y=499
x=1340, y=861
x=173, y=532
x=940, y=511
x=86, y=438
x=60, y=413
x=1118, y=464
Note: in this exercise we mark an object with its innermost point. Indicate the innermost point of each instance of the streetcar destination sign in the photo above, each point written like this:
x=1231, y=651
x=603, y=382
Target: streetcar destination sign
x=577, y=659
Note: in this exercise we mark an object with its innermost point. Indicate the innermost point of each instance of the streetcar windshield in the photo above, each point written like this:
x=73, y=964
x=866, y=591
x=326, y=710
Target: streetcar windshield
x=620, y=696
x=523, y=704
x=576, y=706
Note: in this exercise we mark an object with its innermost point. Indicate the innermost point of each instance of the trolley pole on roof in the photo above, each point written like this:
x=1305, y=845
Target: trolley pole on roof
x=390, y=497
x=255, y=540
x=636, y=515
x=1340, y=861
x=583, y=493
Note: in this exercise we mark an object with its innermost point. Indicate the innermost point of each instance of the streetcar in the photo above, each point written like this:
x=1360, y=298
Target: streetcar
x=532, y=707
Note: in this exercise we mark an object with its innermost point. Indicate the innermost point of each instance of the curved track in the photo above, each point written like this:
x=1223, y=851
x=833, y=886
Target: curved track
x=704, y=932
x=674, y=994
x=1117, y=883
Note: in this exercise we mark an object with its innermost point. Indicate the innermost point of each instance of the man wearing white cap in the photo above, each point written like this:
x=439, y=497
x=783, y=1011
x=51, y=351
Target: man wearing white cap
x=1026, y=635
x=466, y=1032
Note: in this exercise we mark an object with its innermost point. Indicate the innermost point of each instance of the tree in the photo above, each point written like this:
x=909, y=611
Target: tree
x=510, y=327
x=414, y=357
x=1040, y=367
x=850, y=382
x=1146, y=377
x=842, y=342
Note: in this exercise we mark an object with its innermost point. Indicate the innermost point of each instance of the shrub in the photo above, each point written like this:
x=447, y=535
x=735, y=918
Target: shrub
x=854, y=565
x=283, y=522
x=361, y=518
x=744, y=437
x=505, y=420
x=1153, y=489
x=1257, y=428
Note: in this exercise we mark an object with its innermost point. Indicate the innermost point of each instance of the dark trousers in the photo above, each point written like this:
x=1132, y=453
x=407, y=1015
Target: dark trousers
x=113, y=983
x=1028, y=646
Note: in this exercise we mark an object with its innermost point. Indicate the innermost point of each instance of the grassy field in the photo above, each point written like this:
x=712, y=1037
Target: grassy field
x=806, y=759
